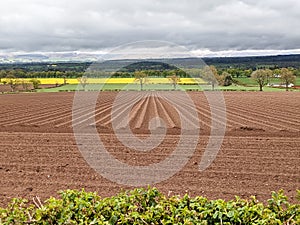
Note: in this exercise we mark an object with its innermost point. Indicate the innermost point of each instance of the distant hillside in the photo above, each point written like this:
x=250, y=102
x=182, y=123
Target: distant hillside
x=222, y=62
x=254, y=61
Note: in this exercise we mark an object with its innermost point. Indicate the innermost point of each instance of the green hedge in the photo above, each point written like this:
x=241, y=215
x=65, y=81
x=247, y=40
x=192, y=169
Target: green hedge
x=149, y=206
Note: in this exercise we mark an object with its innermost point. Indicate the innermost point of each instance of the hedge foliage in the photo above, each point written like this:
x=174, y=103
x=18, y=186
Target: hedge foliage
x=149, y=206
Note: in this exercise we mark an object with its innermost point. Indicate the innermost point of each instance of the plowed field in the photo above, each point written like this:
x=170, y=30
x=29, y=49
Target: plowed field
x=260, y=152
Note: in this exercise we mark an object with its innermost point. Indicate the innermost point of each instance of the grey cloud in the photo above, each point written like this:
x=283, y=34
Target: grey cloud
x=66, y=25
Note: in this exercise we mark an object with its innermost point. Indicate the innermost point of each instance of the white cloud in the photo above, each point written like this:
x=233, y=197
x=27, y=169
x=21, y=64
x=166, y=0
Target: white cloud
x=93, y=25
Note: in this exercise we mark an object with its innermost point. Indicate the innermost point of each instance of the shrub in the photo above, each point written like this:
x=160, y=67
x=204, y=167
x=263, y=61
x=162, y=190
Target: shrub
x=149, y=206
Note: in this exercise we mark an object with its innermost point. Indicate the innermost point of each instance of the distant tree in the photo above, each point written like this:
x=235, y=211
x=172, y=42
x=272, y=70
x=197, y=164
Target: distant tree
x=12, y=81
x=297, y=72
x=174, y=80
x=210, y=74
x=179, y=73
x=2, y=74
x=261, y=76
x=58, y=74
x=226, y=79
x=83, y=81
x=141, y=77
x=25, y=84
x=287, y=77
x=247, y=73
x=65, y=79
x=164, y=73
x=35, y=83
x=235, y=72
x=11, y=74
x=194, y=72
x=18, y=73
x=277, y=72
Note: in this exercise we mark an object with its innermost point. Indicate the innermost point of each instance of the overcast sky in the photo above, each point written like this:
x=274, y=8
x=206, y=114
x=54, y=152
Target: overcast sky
x=210, y=26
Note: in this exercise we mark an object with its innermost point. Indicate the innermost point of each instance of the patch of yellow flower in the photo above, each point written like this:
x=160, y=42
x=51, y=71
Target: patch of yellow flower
x=150, y=80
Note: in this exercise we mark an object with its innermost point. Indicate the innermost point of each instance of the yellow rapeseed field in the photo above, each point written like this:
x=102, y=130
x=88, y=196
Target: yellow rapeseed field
x=115, y=80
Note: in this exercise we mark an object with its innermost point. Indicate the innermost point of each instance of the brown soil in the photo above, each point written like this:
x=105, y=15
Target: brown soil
x=260, y=152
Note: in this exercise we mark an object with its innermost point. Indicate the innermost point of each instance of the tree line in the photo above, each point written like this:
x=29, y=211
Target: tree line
x=262, y=77
x=210, y=74
x=19, y=73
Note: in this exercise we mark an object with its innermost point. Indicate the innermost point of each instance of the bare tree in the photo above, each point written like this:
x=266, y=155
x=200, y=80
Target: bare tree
x=141, y=76
x=65, y=79
x=174, y=80
x=25, y=84
x=210, y=74
x=83, y=81
x=12, y=81
x=261, y=76
x=287, y=77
